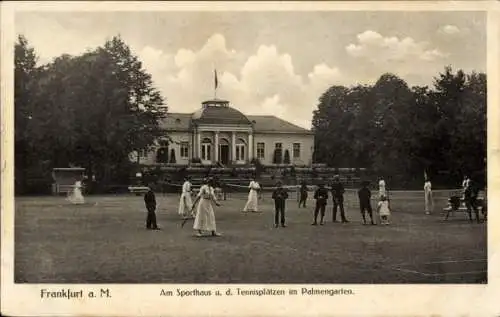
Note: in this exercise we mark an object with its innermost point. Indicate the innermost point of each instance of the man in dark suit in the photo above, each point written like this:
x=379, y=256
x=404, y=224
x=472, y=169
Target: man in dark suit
x=280, y=195
x=321, y=196
x=338, y=199
x=365, y=195
x=303, y=194
x=470, y=197
x=150, y=201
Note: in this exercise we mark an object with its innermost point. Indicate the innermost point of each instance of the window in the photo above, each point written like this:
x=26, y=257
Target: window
x=278, y=153
x=260, y=150
x=296, y=150
x=240, y=150
x=184, y=149
x=143, y=153
x=206, y=149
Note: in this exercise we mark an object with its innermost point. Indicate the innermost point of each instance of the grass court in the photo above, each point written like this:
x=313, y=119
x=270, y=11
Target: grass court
x=105, y=241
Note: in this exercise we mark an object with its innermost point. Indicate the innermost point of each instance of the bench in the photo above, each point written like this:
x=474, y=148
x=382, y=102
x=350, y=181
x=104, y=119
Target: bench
x=459, y=206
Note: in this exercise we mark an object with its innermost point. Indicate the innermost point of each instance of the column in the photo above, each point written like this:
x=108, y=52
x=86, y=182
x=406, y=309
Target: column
x=233, y=146
x=250, y=146
x=216, y=150
x=193, y=145
x=198, y=144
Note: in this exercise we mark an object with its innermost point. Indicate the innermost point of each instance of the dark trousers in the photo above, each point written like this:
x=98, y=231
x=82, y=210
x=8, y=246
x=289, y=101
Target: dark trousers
x=151, y=219
x=366, y=207
x=302, y=202
x=279, y=212
x=471, y=204
x=338, y=202
x=320, y=208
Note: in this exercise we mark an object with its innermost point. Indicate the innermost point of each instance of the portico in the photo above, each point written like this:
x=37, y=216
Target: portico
x=227, y=145
x=220, y=134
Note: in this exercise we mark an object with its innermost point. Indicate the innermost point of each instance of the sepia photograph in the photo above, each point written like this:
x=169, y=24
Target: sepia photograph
x=252, y=158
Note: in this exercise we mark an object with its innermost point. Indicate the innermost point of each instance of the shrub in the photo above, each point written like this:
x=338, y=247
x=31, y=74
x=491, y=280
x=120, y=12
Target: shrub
x=172, y=157
x=286, y=159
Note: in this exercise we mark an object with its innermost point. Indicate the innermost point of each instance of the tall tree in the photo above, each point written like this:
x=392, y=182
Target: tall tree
x=400, y=132
x=25, y=76
x=94, y=109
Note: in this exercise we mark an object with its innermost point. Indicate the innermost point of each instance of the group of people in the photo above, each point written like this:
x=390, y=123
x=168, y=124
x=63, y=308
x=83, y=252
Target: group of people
x=364, y=196
x=204, y=216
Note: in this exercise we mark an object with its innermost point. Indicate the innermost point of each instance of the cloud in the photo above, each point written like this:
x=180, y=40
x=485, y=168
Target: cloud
x=377, y=48
x=449, y=30
x=265, y=82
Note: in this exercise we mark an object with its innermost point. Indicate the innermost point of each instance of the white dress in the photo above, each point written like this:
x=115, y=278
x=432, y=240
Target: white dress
x=429, y=203
x=252, y=203
x=185, y=203
x=76, y=197
x=205, y=217
x=381, y=188
x=384, y=208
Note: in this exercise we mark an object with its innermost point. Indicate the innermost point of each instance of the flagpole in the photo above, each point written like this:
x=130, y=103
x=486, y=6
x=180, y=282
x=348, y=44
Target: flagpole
x=216, y=83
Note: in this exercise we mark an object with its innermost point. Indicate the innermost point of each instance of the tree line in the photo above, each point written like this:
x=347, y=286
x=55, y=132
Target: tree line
x=401, y=132
x=91, y=110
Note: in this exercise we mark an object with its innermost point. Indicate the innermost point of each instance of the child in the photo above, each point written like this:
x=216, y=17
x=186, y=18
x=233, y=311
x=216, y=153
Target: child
x=150, y=201
x=364, y=195
x=321, y=196
x=383, y=210
x=279, y=195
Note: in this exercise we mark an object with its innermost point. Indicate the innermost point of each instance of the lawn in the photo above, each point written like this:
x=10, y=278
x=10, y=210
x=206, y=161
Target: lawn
x=106, y=242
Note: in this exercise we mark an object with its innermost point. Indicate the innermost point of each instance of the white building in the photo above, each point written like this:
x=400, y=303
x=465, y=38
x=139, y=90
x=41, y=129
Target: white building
x=220, y=133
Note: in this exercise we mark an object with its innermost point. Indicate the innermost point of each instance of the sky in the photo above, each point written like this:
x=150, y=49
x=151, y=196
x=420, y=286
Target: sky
x=274, y=63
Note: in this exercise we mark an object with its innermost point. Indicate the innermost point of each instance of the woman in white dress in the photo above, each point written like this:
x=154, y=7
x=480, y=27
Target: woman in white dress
x=381, y=188
x=75, y=196
x=205, y=216
x=429, y=202
x=252, y=202
x=186, y=203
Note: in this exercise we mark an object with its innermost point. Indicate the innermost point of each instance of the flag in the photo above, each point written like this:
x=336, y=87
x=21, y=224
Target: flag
x=425, y=175
x=216, y=80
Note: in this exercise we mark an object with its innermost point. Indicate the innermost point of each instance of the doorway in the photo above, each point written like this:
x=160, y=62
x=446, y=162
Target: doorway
x=224, y=154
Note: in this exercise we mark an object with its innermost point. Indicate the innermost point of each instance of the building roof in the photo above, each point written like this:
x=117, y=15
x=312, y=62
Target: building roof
x=176, y=122
x=218, y=112
x=274, y=124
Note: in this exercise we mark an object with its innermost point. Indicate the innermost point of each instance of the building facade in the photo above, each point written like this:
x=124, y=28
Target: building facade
x=220, y=134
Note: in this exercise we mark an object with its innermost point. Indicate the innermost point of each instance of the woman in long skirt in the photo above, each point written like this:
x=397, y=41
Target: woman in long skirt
x=381, y=188
x=75, y=196
x=205, y=216
x=252, y=202
x=186, y=203
x=429, y=203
